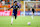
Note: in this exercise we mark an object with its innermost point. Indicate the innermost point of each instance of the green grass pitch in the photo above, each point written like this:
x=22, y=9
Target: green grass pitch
x=21, y=21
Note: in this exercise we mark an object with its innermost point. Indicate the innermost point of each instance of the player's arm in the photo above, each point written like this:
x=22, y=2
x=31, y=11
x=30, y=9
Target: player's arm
x=11, y=7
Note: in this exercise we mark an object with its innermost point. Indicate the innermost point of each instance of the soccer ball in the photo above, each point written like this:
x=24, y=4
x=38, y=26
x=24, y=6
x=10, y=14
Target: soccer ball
x=29, y=23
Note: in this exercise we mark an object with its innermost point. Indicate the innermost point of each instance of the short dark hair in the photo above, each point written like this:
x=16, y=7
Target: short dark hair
x=15, y=1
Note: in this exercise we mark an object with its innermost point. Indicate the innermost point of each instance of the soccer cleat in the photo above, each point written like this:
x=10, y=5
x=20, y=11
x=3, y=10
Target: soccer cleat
x=11, y=24
x=32, y=17
x=15, y=18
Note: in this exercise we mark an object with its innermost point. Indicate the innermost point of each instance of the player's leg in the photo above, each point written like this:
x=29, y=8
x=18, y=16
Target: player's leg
x=15, y=16
x=32, y=14
x=12, y=19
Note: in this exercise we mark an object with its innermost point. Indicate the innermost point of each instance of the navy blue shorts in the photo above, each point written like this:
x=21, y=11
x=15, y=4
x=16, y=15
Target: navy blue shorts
x=14, y=12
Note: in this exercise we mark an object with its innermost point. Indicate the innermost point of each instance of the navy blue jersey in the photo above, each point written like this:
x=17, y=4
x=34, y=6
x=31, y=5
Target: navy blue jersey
x=15, y=9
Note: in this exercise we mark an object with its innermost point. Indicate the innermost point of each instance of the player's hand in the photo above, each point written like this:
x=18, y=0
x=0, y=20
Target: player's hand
x=8, y=9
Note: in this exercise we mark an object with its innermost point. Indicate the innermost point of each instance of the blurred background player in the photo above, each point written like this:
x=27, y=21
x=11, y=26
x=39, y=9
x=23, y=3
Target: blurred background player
x=33, y=10
x=15, y=8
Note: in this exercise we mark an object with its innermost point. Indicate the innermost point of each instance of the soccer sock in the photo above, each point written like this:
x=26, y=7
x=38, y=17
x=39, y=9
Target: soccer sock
x=12, y=20
x=15, y=16
x=32, y=16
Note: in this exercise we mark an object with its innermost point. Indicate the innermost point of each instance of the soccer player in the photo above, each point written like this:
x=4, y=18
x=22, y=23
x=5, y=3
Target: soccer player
x=15, y=8
x=32, y=10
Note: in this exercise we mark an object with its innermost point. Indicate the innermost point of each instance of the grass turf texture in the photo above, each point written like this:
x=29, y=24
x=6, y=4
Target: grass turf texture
x=21, y=21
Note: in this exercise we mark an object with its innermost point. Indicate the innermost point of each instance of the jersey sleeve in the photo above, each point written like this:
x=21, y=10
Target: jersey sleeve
x=11, y=6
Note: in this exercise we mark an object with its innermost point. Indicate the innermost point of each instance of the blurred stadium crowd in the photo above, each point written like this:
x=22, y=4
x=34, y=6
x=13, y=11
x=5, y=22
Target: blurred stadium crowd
x=5, y=4
x=9, y=3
